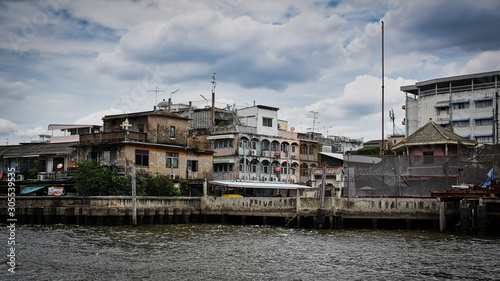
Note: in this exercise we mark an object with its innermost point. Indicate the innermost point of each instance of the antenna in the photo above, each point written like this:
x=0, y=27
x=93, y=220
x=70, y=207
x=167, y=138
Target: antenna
x=315, y=113
x=156, y=90
x=214, y=83
x=392, y=117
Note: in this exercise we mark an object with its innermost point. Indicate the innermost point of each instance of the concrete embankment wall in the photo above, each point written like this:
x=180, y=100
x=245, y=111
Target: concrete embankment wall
x=101, y=209
x=160, y=210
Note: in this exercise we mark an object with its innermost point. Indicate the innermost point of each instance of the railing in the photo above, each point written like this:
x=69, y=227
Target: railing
x=112, y=137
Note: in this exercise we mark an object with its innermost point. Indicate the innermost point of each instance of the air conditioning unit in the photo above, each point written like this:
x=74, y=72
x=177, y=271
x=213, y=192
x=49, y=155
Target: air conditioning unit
x=253, y=152
x=274, y=179
x=41, y=177
x=294, y=157
x=171, y=176
x=20, y=177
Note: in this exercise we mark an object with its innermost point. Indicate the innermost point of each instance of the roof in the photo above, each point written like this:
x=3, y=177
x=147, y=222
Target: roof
x=37, y=149
x=250, y=184
x=413, y=89
x=70, y=126
x=430, y=134
x=354, y=158
x=144, y=113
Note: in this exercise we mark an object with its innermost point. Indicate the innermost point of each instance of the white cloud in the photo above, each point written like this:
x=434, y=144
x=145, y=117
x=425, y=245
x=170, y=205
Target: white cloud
x=95, y=118
x=483, y=62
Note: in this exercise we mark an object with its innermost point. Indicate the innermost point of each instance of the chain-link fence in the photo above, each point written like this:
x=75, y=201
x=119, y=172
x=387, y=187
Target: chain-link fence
x=415, y=176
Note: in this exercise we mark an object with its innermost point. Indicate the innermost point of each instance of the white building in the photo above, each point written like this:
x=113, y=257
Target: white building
x=466, y=104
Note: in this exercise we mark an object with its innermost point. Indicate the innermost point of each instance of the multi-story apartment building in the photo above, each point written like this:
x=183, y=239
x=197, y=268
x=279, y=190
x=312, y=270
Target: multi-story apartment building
x=253, y=144
x=465, y=104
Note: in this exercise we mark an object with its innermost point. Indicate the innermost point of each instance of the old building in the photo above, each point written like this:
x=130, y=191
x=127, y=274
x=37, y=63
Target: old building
x=155, y=142
x=465, y=104
x=432, y=140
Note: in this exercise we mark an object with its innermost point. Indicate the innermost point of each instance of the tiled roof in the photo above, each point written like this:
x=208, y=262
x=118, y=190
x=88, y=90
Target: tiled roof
x=430, y=134
x=37, y=149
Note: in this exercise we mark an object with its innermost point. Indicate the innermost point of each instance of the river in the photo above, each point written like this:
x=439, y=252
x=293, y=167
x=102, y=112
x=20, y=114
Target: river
x=233, y=252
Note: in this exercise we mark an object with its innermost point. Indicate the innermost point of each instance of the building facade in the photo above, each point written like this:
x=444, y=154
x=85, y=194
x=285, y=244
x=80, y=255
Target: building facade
x=466, y=104
x=155, y=142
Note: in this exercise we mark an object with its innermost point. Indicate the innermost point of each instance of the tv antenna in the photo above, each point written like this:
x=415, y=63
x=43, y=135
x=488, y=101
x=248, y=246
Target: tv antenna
x=156, y=90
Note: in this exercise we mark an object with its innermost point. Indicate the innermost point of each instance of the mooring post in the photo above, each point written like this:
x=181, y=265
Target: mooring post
x=442, y=216
x=134, y=198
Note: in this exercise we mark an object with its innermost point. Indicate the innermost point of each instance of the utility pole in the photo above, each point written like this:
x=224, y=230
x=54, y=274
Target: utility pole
x=156, y=90
x=383, y=141
x=134, y=198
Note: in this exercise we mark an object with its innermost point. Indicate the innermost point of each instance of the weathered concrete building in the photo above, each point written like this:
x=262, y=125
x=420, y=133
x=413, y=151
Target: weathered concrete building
x=466, y=104
x=155, y=142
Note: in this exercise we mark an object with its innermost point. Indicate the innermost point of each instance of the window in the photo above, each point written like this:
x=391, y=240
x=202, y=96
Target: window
x=140, y=127
x=484, y=122
x=172, y=131
x=484, y=103
x=192, y=166
x=244, y=144
x=484, y=139
x=223, y=143
x=142, y=157
x=428, y=157
x=172, y=160
x=461, y=105
x=223, y=167
x=461, y=123
x=267, y=122
x=294, y=147
x=253, y=144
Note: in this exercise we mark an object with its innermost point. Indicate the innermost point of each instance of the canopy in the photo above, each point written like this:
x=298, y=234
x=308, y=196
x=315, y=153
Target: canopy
x=30, y=189
x=276, y=185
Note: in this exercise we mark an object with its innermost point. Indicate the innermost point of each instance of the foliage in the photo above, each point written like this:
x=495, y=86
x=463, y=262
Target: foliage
x=185, y=188
x=368, y=151
x=161, y=185
x=91, y=178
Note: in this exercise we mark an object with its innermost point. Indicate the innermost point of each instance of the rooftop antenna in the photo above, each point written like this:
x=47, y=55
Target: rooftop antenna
x=392, y=117
x=156, y=90
x=214, y=84
x=13, y=136
x=315, y=113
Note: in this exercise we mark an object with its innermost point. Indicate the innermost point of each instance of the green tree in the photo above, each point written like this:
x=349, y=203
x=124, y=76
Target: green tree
x=160, y=185
x=91, y=178
x=185, y=188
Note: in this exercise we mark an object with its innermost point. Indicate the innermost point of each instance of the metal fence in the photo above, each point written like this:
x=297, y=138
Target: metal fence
x=416, y=176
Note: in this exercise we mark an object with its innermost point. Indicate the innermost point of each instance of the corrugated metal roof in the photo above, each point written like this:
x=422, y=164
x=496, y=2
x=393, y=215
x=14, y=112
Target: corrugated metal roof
x=37, y=149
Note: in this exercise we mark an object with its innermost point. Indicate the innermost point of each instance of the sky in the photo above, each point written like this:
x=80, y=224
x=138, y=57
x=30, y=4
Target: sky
x=319, y=62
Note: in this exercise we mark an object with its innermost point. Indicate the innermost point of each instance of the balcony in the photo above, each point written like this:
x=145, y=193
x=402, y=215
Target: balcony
x=112, y=137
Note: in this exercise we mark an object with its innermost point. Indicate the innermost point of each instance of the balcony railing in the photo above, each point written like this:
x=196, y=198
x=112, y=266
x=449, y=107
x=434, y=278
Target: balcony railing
x=112, y=137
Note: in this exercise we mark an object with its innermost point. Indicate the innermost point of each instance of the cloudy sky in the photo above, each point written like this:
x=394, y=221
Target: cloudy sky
x=68, y=61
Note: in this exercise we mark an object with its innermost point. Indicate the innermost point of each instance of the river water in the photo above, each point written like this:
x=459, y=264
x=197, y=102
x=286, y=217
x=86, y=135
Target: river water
x=233, y=252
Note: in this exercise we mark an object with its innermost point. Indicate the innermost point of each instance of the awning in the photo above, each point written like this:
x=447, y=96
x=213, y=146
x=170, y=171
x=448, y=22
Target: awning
x=30, y=189
x=276, y=185
x=459, y=120
x=460, y=101
x=483, y=118
x=485, y=99
x=442, y=104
